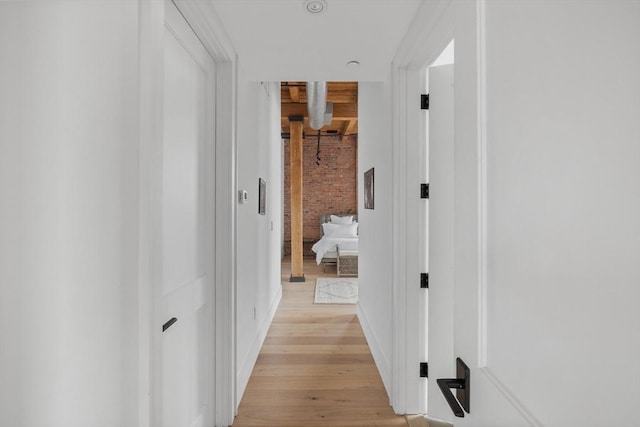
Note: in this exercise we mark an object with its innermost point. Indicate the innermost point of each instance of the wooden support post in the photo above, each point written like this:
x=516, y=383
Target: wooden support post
x=295, y=174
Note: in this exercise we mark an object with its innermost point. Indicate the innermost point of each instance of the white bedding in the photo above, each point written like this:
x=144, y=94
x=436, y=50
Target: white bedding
x=329, y=245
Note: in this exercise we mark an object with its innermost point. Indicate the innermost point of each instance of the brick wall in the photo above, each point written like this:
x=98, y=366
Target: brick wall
x=330, y=187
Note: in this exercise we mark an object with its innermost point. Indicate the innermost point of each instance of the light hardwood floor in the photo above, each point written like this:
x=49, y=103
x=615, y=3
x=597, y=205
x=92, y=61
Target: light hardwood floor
x=315, y=367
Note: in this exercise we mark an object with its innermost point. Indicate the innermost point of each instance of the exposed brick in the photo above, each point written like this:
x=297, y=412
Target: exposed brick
x=330, y=187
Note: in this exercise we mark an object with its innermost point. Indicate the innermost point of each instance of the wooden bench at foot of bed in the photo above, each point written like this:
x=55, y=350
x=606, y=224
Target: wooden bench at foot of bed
x=329, y=259
x=347, y=262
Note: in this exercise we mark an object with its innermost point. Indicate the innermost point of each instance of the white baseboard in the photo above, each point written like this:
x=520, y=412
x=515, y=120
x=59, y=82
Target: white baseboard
x=244, y=371
x=383, y=365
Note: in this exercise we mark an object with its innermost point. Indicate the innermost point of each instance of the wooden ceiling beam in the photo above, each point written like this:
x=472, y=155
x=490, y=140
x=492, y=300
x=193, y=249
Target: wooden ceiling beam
x=343, y=95
x=336, y=99
x=348, y=129
x=294, y=93
x=340, y=111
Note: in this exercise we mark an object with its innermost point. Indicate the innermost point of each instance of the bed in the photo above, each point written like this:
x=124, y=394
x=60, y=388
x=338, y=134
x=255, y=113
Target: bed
x=339, y=235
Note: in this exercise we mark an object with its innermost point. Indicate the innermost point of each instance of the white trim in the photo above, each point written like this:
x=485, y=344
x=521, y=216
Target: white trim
x=482, y=220
x=225, y=298
x=408, y=395
x=511, y=398
x=413, y=208
x=198, y=422
x=382, y=363
x=208, y=27
x=206, y=24
x=421, y=130
x=482, y=184
x=210, y=250
x=246, y=367
x=399, y=368
x=150, y=132
x=430, y=32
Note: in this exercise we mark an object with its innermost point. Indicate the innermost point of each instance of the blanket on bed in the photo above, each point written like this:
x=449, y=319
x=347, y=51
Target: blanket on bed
x=328, y=244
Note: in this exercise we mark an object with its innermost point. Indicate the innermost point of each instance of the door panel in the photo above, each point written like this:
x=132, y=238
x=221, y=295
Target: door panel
x=440, y=356
x=181, y=196
x=546, y=208
x=189, y=73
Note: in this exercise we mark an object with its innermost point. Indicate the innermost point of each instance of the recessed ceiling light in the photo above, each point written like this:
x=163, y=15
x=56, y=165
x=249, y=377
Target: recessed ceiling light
x=353, y=64
x=315, y=6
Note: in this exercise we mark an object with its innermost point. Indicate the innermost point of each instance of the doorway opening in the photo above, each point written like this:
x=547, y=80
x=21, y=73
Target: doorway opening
x=326, y=176
x=315, y=361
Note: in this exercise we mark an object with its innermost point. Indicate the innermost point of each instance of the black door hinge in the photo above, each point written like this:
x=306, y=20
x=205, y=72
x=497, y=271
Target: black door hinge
x=424, y=191
x=424, y=370
x=424, y=280
x=424, y=102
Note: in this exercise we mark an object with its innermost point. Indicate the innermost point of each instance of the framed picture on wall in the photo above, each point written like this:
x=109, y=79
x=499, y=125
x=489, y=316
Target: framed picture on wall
x=262, y=196
x=368, y=189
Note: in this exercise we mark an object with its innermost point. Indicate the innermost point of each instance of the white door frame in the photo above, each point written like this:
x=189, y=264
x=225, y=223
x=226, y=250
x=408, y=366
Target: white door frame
x=204, y=22
x=438, y=327
x=206, y=25
x=407, y=395
x=430, y=33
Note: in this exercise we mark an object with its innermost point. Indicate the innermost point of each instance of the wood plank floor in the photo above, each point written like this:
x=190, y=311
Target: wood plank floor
x=315, y=367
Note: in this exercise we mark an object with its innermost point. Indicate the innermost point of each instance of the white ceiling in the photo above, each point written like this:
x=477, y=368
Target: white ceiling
x=278, y=40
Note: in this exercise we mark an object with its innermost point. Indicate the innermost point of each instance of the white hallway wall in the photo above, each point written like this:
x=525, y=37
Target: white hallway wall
x=68, y=213
x=258, y=236
x=375, y=150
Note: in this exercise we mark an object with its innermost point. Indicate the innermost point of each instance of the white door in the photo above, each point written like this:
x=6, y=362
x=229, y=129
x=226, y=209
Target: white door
x=186, y=227
x=546, y=229
x=440, y=318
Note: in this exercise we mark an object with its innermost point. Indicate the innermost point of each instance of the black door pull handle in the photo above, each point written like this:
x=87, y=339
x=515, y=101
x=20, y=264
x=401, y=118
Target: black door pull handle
x=446, y=384
x=461, y=384
x=168, y=324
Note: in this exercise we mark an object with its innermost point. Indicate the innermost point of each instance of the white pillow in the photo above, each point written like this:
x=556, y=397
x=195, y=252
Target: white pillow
x=341, y=219
x=328, y=228
x=340, y=230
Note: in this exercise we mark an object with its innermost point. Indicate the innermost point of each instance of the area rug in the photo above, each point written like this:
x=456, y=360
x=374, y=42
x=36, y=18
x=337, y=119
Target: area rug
x=336, y=290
